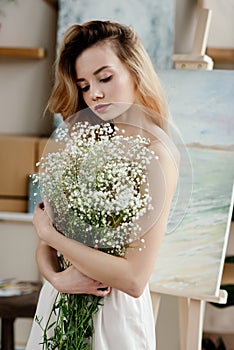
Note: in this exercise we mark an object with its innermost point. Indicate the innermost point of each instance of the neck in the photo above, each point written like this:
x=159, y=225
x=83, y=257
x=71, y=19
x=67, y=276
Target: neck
x=135, y=120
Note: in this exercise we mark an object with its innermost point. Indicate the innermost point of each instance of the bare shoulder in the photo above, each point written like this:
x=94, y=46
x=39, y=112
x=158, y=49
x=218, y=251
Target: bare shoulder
x=169, y=160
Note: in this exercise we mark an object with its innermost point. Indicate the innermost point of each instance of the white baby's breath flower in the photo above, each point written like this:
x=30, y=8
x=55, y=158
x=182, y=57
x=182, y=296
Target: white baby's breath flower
x=98, y=184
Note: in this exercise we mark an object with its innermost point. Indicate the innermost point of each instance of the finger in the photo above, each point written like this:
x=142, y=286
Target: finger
x=104, y=289
x=102, y=293
x=49, y=210
x=97, y=284
x=41, y=205
x=101, y=286
x=37, y=206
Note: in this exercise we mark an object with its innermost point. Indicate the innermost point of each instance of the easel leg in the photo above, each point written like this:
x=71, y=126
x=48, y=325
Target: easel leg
x=183, y=320
x=155, y=297
x=191, y=314
x=195, y=324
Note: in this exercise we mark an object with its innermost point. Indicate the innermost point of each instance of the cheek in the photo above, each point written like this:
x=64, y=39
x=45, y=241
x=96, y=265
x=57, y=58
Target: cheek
x=86, y=99
x=126, y=89
x=129, y=85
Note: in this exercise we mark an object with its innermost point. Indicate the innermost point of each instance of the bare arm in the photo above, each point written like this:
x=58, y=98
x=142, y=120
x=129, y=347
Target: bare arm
x=131, y=273
x=68, y=281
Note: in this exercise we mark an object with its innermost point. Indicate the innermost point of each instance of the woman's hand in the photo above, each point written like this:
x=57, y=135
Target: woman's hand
x=74, y=282
x=42, y=222
x=70, y=280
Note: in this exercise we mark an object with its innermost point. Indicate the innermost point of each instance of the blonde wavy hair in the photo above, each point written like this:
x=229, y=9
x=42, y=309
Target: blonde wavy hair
x=66, y=97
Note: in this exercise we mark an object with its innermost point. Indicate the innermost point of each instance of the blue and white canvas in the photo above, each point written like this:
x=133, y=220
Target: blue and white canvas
x=191, y=258
x=152, y=20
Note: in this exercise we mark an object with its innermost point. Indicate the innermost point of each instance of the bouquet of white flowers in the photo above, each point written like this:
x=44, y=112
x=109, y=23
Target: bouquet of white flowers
x=97, y=186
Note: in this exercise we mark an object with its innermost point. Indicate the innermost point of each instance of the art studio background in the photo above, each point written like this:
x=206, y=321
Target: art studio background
x=26, y=78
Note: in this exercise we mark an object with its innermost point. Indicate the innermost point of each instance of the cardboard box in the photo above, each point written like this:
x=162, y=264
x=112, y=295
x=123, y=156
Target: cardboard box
x=17, y=160
x=13, y=205
x=48, y=145
x=41, y=146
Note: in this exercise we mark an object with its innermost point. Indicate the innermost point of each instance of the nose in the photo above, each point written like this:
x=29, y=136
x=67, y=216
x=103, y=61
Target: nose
x=96, y=93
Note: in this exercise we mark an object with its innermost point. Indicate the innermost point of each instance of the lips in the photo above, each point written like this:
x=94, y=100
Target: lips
x=101, y=108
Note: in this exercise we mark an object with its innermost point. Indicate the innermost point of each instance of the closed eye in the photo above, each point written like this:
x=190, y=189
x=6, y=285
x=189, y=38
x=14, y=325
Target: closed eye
x=85, y=88
x=105, y=80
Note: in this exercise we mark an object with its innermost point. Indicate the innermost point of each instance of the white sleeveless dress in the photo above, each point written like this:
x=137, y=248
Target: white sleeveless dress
x=123, y=322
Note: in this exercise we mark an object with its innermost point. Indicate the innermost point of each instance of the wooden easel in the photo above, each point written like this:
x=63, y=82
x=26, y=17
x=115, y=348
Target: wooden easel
x=191, y=314
x=182, y=89
x=191, y=309
x=197, y=59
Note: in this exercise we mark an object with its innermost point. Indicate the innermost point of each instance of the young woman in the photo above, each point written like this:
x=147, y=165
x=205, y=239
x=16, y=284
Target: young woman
x=103, y=66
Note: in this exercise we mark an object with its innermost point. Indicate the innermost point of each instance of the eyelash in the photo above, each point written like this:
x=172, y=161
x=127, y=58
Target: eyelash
x=104, y=80
x=85, y=89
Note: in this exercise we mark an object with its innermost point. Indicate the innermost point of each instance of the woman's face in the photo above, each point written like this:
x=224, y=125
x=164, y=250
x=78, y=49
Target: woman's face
x=107, y=86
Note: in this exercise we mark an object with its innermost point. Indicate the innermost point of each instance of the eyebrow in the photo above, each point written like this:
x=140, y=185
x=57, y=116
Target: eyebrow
x=95, y=73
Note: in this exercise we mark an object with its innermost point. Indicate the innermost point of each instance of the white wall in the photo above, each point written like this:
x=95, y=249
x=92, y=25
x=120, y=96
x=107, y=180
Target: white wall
x=222, y=25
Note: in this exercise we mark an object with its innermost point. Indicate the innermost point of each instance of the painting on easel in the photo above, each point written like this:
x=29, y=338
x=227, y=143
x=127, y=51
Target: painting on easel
x=191, y=258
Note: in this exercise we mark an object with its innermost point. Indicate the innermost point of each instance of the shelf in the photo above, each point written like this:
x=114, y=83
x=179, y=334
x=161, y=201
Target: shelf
x=221, y=55
x=10, y=216
x=22, y=52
